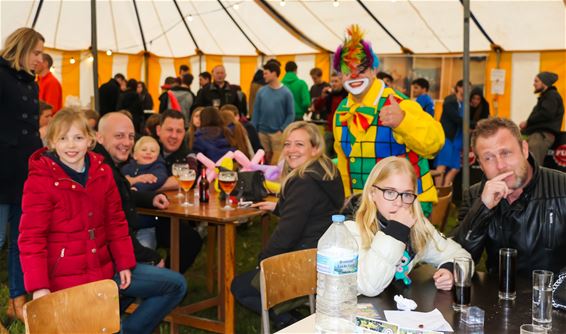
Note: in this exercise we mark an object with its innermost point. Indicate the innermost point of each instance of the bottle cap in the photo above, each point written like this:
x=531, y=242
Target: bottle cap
x=338, y=218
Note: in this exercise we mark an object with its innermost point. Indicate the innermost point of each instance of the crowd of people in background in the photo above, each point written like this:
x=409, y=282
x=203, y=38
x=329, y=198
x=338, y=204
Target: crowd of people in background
x=381, y=141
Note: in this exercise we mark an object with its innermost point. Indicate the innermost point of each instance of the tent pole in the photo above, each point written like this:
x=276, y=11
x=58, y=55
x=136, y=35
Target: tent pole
x=94, y=51
x=466, y=125
x=37, y=14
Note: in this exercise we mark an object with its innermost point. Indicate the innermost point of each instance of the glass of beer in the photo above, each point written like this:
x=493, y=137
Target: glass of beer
x=507, y=272
x=187, y=178
x=227, y=181
x=175, y=170
x=463, y=268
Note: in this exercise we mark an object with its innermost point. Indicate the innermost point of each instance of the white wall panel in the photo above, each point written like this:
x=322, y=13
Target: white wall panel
x=525, y=67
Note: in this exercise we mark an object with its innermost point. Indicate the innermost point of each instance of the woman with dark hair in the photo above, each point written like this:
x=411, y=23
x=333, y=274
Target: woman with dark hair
x=479, y=107
x=213, y=138
x=19, y=138
x=129, y=100
x=145, y=98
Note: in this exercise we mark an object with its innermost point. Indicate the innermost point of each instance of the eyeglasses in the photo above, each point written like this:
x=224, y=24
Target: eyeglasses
x=391, y=195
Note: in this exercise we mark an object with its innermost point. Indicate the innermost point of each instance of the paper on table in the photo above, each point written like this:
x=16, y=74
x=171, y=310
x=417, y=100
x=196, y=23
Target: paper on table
x=432, y=320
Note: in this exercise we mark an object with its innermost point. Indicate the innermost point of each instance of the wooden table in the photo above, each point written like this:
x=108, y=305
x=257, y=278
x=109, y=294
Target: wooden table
x=225, y=223
x=501, y=317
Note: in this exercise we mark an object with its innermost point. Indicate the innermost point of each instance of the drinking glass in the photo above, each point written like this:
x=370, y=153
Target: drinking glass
x=227, y=181
x=186, y=180
x=542, y=298
x=175, y=169
x=507, y=272
x=462, y=282
x=532, y=329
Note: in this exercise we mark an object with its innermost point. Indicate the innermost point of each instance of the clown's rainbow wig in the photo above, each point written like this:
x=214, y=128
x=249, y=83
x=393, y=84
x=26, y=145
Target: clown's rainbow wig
x=354, y=52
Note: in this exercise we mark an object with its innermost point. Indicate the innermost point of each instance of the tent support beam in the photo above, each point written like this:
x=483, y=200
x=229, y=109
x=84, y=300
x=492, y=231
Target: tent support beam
x=140, y=25
x=94, y=50
x=39, y=10
x=257, y=50
x=466, y=121
x=263, y=4
x=403, y=48
x=186, y=25
x=494, y=46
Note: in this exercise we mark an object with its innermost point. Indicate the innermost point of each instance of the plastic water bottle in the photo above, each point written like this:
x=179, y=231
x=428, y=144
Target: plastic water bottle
x=336, y=289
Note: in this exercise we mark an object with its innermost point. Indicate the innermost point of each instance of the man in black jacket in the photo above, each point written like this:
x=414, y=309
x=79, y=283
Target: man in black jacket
x=110, y=92
x=218, y=93
x=518, y=205
x=545, y=121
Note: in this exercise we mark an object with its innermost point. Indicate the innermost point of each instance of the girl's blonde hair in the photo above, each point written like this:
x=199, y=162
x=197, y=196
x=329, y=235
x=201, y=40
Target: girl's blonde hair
x=192, y=127
x=366, y=215
x=238, y=132
x=18, y=46
x=317, y=142
x=62, y=122
x=145, y=140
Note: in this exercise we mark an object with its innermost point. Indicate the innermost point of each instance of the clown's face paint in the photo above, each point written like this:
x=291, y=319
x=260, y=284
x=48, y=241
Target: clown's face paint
x=357, y=84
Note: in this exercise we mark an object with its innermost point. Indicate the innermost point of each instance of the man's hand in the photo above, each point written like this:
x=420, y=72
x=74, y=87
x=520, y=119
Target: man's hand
x=40, y=293
x=495, y=190
x=161, y=264
x=160, y=201
x=443, y=279
x=391, y=115
x=125, y=278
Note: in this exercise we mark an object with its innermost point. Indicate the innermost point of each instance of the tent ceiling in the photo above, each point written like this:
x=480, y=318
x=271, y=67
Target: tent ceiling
x=423, y=26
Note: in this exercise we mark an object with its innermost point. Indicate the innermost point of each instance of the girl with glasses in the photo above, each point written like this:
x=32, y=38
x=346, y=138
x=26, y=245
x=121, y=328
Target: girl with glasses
x=394, y=235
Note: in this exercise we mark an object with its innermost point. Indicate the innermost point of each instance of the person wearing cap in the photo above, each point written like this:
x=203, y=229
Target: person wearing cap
x=545, y=121
x=376, y=122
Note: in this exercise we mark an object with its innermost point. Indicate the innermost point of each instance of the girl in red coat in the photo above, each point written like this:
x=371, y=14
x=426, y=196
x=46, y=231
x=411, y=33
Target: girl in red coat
x=73, y=230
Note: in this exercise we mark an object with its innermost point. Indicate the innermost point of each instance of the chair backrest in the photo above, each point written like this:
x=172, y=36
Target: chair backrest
x=87, y=308
x=440, y=211
x=284, y=277
x=444, y=190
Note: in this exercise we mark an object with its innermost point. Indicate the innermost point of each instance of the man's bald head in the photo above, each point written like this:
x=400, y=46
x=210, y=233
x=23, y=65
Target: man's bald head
x=116, y=134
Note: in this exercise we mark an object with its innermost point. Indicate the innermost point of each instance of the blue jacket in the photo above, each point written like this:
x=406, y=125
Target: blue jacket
x=211, y=142
x=157, y=168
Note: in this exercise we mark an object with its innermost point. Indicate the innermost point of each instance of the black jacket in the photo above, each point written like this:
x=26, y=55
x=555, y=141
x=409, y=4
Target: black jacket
x=109, y=93
x=19, y=129
x=305, y=210
x=211, y=92
x=547, y=114
x=131, y=200
x=130, y=101
x=535, y=224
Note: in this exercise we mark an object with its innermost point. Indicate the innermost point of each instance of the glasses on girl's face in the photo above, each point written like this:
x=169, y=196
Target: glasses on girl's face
x=391, y=195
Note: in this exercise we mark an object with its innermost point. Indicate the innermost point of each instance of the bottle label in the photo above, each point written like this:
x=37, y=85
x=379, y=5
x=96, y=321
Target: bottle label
x=336, y=266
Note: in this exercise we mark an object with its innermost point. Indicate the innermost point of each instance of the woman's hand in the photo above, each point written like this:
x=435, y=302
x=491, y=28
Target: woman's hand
x=125, y=278
x=443, y=279
x=40, y=293
x=266, y=206
x=404, y=216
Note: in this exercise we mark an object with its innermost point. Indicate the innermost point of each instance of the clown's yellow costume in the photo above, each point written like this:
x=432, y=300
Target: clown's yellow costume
x=360, y=138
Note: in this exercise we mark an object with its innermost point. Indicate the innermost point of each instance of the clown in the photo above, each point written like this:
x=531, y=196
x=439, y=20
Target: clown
x=375, y=122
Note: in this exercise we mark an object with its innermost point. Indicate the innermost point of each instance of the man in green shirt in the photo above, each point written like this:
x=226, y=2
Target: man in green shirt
x=298, y=88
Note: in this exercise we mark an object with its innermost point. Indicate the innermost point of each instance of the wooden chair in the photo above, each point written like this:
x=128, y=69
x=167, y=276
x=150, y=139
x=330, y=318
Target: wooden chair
x=284, y=277
x=440, y=211
x=444, y=190
x=87, y=308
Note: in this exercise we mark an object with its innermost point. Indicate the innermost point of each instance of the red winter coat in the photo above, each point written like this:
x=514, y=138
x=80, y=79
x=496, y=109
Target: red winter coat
x=70, y=234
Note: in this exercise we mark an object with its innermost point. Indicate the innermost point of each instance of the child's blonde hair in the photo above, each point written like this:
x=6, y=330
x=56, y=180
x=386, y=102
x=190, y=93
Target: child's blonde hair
x=62, y=122
x=145, y=140
x=366, y=215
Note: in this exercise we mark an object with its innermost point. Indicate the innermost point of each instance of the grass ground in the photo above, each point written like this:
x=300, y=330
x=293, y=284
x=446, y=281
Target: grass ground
x=248, y=244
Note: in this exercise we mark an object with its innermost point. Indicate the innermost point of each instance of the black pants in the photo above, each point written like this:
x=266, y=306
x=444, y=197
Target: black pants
x=190, y=242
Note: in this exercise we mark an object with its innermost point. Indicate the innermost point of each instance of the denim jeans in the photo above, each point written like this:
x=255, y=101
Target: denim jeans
x=160, y=291
x=15, y=274
x=4, y=210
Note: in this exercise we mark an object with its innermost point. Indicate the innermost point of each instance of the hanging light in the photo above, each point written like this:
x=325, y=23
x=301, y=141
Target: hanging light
x=190, y=18
x=72, y=60
x=90, y=59
x=236, y=6
x=282, y=3
x=108, y=52
x=335, y=3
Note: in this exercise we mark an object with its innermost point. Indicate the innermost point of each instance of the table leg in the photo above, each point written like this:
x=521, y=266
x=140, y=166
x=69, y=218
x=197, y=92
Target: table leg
x=220, y=276
x=174, y=244
x=210, y=257
x=228, y=269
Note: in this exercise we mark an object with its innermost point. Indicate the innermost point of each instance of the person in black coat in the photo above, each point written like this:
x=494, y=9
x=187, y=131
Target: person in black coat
x=109, y=93
x=129, y=100
x=479, y=107
x=19, y=138
x=311, y=192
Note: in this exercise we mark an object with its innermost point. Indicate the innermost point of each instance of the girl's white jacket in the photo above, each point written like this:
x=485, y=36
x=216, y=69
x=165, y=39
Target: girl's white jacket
x=377, y=265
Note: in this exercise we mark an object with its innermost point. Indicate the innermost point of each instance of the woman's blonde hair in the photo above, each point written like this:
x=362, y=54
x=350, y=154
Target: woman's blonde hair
x=145, y=140
x=238, y=132
x=62, y=122
x=192, y=127
x=317, y=142
x=366, y=215
x=18, y=46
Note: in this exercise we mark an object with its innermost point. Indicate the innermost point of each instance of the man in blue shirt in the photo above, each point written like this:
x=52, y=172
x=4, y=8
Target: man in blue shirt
x=420, y=88
x=273, y=111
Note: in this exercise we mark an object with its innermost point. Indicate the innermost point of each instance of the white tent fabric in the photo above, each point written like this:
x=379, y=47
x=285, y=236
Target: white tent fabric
x=423, y=26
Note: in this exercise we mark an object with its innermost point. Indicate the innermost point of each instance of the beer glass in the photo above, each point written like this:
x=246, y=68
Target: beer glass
x=175, y=169
x=187, y=178
x=227, y=181
x=463, y=267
